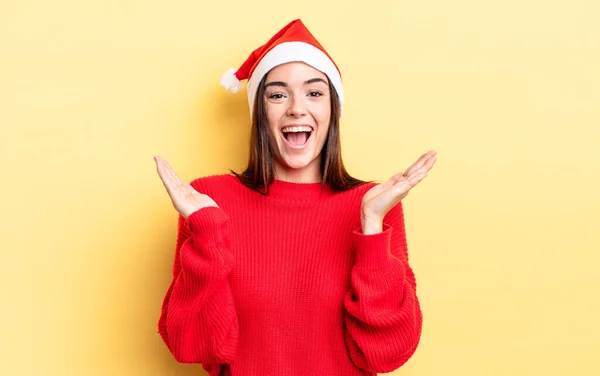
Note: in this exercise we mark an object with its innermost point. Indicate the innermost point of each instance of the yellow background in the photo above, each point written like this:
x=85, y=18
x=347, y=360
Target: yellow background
x=503, y=233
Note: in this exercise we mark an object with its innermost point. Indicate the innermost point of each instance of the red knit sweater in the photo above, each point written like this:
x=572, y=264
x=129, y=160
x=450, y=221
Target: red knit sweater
x=287, y=285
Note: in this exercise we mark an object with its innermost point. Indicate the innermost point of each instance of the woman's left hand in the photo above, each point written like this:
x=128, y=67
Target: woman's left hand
x=380, y=199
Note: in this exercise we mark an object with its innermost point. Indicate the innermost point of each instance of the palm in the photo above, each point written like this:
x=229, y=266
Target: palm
x=383, y=197
x=184, y=197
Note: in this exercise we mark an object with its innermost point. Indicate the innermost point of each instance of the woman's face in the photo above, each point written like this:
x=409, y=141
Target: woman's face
x=297, y=103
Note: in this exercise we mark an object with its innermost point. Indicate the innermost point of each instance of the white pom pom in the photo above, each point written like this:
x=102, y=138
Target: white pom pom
x=230, y=81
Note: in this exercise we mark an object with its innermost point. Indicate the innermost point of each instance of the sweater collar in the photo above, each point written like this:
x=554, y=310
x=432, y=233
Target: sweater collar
x=287, y=189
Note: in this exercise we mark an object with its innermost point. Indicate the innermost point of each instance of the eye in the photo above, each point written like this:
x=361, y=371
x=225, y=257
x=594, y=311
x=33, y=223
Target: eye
x=315, y=94
x=275, y=96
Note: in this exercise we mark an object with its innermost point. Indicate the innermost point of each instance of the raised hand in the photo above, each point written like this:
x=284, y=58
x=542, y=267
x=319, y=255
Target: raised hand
x=185, y=199
x=380, y=199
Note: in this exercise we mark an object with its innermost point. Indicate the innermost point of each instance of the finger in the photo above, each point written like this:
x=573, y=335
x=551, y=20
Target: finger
x=172, y=175
x=428, y=165
x=420, y=162
x=375, y=190
x=425, y=160
x=398, y=191
x=391, y=181
x=160, y=168
x=405, y=184
x=167, y=177
x=425, y=167
x=430, y=162
x=415, y=165
x=408, y=183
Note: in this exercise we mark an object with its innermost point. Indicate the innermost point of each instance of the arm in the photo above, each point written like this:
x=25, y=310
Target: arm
x=382, y=312
x=198, y=321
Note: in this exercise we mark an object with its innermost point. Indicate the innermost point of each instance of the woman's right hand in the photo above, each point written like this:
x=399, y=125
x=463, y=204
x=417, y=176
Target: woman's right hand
x=185, y=199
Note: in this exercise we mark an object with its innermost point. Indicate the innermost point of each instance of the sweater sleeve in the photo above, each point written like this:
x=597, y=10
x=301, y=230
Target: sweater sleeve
x=382, y=313
x=198, y=321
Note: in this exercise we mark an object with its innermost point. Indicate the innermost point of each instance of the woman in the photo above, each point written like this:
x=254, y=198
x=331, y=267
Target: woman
x=292, y=267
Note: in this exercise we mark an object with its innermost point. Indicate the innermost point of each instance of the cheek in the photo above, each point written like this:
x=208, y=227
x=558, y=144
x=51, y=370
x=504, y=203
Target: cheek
x=272, y=119
x=270, y=111
x=323, y=135
x=322, y=113
x=323, y=118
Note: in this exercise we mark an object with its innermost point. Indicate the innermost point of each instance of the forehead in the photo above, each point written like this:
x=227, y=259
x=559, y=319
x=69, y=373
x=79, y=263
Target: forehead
x=294, y=72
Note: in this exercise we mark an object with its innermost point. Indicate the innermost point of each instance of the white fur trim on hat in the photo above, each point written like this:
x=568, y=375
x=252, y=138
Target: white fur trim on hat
x=294, y=51
x=230, y=81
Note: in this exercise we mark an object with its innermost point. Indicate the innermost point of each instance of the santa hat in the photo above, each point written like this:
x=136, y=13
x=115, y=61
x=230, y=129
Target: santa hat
x=292, y=43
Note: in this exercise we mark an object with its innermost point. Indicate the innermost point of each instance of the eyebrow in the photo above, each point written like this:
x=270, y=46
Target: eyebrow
x=307, y=82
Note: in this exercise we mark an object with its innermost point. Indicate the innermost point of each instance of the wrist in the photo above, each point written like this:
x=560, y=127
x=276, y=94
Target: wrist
x=371, y=226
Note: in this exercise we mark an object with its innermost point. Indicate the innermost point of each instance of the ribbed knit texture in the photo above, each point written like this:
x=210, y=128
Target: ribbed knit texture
x=287, y=284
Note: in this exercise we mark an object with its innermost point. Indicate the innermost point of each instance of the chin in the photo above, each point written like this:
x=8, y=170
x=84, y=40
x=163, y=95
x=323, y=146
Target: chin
x=296, y=162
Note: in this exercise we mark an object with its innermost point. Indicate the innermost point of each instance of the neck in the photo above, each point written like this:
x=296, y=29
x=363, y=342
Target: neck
x=307, y=174
x=299, y=193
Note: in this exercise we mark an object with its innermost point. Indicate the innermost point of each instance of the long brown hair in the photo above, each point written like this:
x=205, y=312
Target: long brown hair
x=259, y=173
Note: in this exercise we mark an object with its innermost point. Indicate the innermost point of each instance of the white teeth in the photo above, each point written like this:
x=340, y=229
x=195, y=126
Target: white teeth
x=301, y=128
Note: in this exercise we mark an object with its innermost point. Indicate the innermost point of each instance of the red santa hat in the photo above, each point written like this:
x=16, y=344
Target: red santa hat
x=292, y=43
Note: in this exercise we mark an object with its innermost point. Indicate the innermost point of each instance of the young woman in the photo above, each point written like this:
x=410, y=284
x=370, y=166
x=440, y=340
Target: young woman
x=292, y=267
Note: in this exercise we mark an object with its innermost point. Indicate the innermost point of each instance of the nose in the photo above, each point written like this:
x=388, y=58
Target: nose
x=297, y=107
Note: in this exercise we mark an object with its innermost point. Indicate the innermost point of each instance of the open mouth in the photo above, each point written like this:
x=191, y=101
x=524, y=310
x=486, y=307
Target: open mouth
x=297, y=138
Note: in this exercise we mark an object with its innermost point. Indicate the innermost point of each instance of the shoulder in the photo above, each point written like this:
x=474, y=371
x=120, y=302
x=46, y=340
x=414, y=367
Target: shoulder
x=350, y=200
x=215, y=183
x=353, y=198
x=357, y=192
